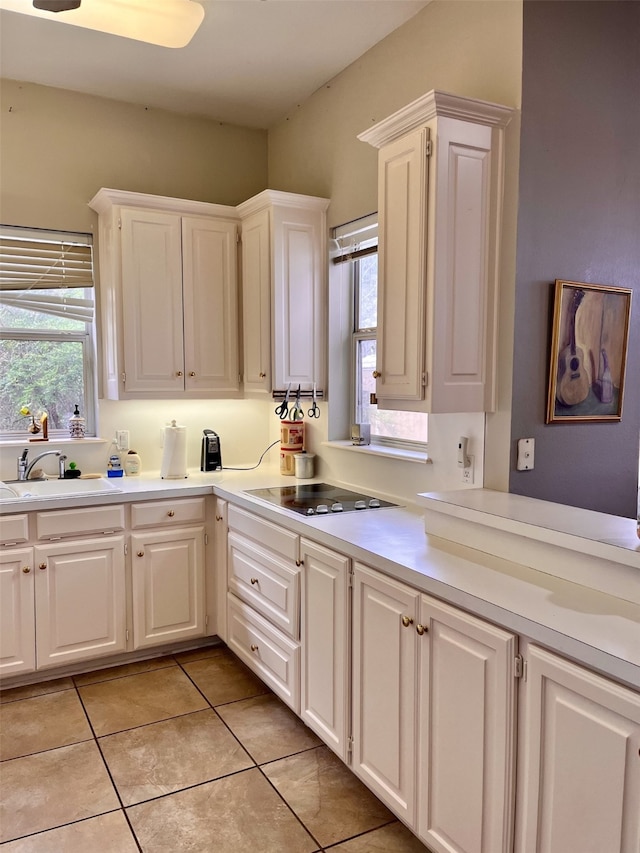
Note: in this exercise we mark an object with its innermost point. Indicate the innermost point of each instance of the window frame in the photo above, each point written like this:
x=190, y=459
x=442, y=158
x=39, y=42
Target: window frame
x=347, y=244
x=86, y=337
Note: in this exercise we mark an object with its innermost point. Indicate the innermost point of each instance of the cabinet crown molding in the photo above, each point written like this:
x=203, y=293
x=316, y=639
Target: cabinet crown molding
x=105, y=199
x=432, y=105
x=268, y=198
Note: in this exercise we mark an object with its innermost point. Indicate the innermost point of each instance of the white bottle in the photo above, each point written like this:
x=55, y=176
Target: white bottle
x=132, y=464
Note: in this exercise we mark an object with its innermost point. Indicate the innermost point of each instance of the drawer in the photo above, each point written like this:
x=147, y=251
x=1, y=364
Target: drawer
x=14, y=529
x=269, y=535
x=265, y=581
x=156, y=513
x=272, y=656
x=75, y=522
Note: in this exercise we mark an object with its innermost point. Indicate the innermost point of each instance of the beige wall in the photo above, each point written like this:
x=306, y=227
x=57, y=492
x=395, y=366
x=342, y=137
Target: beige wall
x=467, y=47
x=59, y=148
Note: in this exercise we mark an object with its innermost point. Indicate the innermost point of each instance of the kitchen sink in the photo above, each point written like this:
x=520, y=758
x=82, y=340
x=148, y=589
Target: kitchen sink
x=55, y=488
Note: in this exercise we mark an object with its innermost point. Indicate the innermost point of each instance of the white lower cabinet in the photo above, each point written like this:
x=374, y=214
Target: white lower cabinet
x=579, y=775
x=168, y=586
x=61, y=603
x=17, y=614
x=80, y=600
x=385, y=688
x=434, y=715
x=325, y=641
x=263, y=601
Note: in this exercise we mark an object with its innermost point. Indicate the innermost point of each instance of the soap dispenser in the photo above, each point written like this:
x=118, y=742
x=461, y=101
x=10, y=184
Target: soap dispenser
x=76, y=424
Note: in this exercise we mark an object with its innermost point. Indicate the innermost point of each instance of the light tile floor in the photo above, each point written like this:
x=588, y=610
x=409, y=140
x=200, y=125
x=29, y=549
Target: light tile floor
x=189, y=752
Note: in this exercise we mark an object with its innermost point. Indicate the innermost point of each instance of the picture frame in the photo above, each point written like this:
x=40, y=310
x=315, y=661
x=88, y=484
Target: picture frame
x=588, y=352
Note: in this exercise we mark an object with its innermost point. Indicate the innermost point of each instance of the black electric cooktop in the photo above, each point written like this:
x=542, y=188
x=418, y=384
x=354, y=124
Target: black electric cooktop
x=318, y=499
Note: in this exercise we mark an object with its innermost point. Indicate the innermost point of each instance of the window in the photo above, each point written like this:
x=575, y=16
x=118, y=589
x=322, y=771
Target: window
x=47, y=329
x=357, y=245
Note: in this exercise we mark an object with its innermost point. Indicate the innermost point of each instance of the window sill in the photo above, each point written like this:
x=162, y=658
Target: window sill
x=55, y=441
x=381, y=451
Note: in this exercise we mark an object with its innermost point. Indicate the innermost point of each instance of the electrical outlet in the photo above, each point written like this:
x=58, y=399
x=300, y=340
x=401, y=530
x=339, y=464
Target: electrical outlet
x=526, y=454
x=467, y=472
x=122, y=439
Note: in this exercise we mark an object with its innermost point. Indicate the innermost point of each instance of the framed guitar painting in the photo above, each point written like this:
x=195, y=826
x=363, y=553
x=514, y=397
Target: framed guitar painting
x=588, y=352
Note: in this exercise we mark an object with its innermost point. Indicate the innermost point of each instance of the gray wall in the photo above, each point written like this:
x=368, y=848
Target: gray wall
x=579, y=219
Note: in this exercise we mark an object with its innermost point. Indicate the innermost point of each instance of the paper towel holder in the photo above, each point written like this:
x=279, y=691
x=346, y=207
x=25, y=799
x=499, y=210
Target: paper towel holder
x=174, y=456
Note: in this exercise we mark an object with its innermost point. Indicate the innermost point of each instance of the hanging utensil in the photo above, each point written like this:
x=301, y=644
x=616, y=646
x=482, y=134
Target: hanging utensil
x=314, y=411
x=283, y=409
x=296, y=413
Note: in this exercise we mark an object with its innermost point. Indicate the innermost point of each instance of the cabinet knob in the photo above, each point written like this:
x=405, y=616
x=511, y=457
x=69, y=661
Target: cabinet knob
x=219, y=518
x=299, y=562
x=421, y=629
x=140, y=553
x=171, y=513
x=262, y=375
x=254, y=581
x=179, y=373
x=26, y=569
x=192, y=373
x=376, y=374
x=254, y=647
x=406, y=621
x=42, y=566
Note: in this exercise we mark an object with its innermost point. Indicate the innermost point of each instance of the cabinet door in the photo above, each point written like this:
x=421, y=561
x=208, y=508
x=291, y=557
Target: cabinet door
x=210, y=293
x=256, y=301
x=325, y=644
x=17, y=625
x=152, y=302
x=385, y=688
x=467, y=732
x=80, y=600
x=298, y=292
x=580, y=773
x=402, y=209
x=168, y=586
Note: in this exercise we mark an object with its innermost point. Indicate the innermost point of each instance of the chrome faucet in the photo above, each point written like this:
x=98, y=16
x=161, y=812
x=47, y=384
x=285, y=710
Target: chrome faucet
x=25, y=466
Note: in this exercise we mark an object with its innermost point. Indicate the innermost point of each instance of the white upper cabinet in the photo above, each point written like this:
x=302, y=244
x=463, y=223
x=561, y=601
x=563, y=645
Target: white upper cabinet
x=440, y=176
x=284, y=248
x=169, y=296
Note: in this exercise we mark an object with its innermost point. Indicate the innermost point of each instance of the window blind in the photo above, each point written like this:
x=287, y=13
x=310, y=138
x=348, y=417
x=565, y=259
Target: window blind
x=355, y=239
x=32, y=261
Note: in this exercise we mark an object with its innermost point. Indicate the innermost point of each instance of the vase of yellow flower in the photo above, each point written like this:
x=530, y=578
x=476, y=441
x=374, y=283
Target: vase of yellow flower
x=34, y=427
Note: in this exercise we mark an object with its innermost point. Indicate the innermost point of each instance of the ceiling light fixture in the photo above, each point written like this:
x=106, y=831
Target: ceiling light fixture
x=168, y=23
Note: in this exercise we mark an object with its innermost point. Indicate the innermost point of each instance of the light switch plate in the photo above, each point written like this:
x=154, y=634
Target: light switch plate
x=122, y=439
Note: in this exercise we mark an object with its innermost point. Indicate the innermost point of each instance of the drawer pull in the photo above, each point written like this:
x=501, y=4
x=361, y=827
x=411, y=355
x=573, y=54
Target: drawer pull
x=140, y=553
x=254, y=647
x=406, y=621
x=171, y=513
x=42, y=566
x=219, y=518
x=26, y=569
x=421, y=629
x=254, y=580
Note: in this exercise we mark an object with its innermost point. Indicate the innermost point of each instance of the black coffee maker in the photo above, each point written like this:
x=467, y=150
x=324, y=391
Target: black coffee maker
x=211, y=456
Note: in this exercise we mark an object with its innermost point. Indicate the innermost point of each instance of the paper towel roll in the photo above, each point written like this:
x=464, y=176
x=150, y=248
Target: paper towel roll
x=174, y=456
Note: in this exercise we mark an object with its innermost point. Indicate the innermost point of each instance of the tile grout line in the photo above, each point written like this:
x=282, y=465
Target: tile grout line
x=107, y=768
x=257, y=766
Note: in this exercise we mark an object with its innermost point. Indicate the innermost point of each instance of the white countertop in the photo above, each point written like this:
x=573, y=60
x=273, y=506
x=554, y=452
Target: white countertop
x=589, y=625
